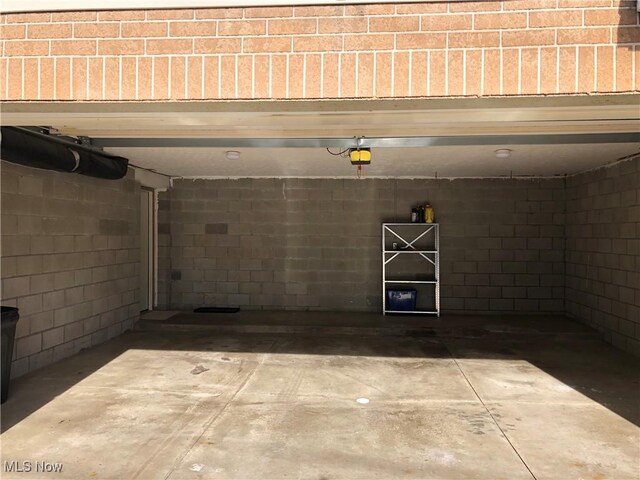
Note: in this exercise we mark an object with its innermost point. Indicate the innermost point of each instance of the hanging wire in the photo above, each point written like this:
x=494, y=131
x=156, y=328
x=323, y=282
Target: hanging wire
x=339, y=154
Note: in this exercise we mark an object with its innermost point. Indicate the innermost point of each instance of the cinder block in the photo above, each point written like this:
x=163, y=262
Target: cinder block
x=28, y=345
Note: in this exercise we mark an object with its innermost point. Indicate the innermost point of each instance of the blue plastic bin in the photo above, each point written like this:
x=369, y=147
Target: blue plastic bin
x=401, y=300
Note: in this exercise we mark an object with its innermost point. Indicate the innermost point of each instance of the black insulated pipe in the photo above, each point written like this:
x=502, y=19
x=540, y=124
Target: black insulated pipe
x=40, y=150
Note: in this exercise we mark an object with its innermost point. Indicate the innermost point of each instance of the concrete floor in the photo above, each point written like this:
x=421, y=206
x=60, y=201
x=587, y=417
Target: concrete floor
x=509, y=398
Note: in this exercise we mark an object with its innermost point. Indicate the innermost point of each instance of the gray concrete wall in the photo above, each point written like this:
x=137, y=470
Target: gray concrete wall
x=603, y=252
x=315, y=243
x=70, y=260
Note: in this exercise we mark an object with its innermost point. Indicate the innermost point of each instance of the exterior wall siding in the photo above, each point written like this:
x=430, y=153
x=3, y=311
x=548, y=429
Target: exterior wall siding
x=454, y=49
x=314, y=244
x=70, y=261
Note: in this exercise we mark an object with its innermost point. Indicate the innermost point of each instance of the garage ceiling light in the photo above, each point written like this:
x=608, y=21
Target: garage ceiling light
x=232, y=155
x=503, y=153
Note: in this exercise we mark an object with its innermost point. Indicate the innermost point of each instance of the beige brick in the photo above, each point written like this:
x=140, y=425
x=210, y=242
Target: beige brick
x=372, y=9
x=245, y=76
x=278, y=76
x=485, y=6
x=474, y=39
x=46, y=78
x=447, y=22
x=383, y=78
x=530, y=4
x=228, y=75
x=194, y=79
x=95, y=78
x=145, y=29
x=79, y=72
x=313, y=76
x=342, y=25
x=423, y=8
x=473, y=76
x=419, y=74
x=31, y=79
x=268, y=12
x=548, y=70
x=14, y=48
x=529, y=71
x=128, y=79
x=317, y=43
x=401, y=74
x=12, y=32
x=221, y=13
x=291, y=26
x=555, y=18
x=211, y=77
x=319, y=11
x=624, y=69
x=419, y=41
x=455, y=72
x=612, y=17
x=510, y=67
x=27, y=17
x=567, y=78
x=63, y=78
x=576, y=36
x=261, y=76
x=170, y=14
x=169, y=46
x=500, y=21
x=605, y=69
x=267, y=44
x=160, y=80
x=527, y=38
x=112, y=78
x=192, y=29
x=218, y=45
x=96, y=30
x=394, y=24
x=296, y=76
x=73, y=47
x=118, y=15
x=178, y=79
x=242, y=27
x=366, y=78
x=586, y=57
x=369, y=42
x=74, y=16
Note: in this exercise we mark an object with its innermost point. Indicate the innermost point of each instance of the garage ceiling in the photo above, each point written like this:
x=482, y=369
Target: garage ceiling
x=468, y=161
x=547, y=136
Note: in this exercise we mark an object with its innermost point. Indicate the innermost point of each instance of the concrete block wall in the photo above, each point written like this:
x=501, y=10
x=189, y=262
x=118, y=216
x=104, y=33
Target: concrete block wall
x=70, y=261
x=603, y=252
x=315, y=243
x=419, y=49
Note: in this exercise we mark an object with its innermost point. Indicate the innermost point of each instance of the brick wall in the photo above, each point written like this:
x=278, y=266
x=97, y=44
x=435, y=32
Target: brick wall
x=315, y=243
x=603, y=252
x=475, y=48
x=70, y=261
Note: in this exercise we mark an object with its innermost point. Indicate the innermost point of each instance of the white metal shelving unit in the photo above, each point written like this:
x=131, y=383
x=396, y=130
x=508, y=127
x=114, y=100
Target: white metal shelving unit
x=399, y=233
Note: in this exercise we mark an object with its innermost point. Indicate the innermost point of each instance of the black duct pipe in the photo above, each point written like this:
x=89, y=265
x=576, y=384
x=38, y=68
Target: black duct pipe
x=39, y=150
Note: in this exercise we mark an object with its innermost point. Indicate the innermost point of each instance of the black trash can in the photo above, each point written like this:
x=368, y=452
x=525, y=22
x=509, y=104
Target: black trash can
x=10, y=318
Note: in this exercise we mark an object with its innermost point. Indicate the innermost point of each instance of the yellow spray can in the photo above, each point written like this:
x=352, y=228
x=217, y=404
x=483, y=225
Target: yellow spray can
x=428, y=213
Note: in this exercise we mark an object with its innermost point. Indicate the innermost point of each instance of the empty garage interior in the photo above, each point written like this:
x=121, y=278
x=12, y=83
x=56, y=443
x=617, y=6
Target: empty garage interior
x=232, y=129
